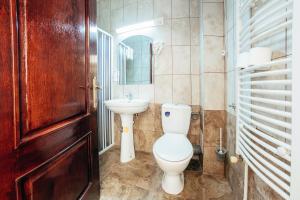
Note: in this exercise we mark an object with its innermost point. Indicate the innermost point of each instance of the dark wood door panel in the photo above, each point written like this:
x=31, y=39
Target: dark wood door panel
x=47, y=121
x=65, y=178
x=52, y=47
x=37, y=151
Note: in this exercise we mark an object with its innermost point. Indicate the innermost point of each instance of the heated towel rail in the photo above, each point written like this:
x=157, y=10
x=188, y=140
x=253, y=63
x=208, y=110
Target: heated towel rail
x=268, y=110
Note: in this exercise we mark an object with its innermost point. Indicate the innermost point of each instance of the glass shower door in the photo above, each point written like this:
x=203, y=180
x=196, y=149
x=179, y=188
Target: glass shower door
x=105, y=132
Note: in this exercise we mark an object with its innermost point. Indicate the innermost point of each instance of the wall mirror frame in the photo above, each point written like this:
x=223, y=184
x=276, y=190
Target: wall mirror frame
x=135, y=60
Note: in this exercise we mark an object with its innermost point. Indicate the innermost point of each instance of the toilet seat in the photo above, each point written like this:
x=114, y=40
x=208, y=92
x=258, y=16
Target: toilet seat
x=173, y=147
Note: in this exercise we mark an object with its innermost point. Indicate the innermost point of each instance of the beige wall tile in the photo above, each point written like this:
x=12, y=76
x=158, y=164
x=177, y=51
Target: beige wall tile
x=213, y=121
x=181, y=31
x=211, y=165
x=103, y=19
x=130, y=14
x=163, y=61
x=195, y=31
x=145, y=10
x=157, y=119
x=162, y=8
x=162, y=33
x=146, y=128
x=213, y=19
x=126, y=2
x=181, y=60
x=213, y=58
x=115, y=4
x=145, y=120
x=195, y=90
x=163, y=89
x=180, y=8
x=213, y=1
x=118, y=90
x=195, y=60
x=116, y=19
x=194, y=8
x=182, y=89
x=214, y=89
x=147, y=92
x=103, y=4
x=131, y=89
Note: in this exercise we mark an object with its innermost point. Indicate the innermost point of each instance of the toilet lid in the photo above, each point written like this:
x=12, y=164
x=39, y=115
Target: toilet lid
x=173, y=147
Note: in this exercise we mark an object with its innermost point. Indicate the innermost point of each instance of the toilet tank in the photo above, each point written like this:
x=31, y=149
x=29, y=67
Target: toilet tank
x=176, y=118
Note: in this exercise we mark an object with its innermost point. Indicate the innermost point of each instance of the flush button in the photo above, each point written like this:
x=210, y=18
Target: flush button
x=167, y=114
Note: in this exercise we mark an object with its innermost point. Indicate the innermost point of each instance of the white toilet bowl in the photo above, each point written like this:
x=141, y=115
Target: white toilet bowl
x=173, y=153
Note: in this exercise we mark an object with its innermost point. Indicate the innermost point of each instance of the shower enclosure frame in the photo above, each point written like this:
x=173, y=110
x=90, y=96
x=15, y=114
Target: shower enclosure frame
x=104, y=76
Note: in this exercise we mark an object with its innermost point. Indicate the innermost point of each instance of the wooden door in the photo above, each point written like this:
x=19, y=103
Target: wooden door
x=48, y=126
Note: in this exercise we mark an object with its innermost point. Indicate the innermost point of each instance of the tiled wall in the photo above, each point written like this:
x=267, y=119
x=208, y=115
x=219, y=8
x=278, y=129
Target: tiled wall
x=212, y=83
x=235, y=172
x=148, y=128
x=212, y=65
x=176, y=69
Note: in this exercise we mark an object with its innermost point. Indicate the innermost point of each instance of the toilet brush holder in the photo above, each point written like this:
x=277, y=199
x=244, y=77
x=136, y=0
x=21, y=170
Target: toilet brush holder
x=221, y=153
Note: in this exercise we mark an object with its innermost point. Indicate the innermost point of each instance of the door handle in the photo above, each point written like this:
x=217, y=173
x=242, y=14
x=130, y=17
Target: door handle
x=96, y=87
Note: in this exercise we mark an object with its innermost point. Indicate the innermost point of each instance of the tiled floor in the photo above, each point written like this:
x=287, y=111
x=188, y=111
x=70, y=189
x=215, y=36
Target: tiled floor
x=141, y=178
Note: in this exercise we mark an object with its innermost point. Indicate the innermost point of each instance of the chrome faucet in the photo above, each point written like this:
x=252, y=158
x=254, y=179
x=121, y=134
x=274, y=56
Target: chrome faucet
x=129, y=96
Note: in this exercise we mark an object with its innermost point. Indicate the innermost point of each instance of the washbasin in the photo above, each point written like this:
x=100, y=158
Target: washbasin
x=127, y=106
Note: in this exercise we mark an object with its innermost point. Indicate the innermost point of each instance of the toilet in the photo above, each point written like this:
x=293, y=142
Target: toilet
x=173, y=151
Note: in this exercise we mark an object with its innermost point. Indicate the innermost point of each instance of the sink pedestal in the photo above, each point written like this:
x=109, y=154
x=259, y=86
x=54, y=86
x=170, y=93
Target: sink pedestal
x=127, y=108
x=127, y=144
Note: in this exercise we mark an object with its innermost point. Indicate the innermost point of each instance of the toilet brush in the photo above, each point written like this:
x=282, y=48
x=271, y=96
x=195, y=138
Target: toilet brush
x=221, y=151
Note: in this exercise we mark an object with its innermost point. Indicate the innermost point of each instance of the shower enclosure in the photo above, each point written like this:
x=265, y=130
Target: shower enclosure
x=104, y=47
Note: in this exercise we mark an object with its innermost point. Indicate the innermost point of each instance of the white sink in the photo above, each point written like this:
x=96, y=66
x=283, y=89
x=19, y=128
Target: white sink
x=126, y=108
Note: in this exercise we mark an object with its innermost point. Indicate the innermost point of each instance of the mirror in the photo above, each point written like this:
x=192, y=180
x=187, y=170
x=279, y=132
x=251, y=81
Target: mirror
x=135, y=60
